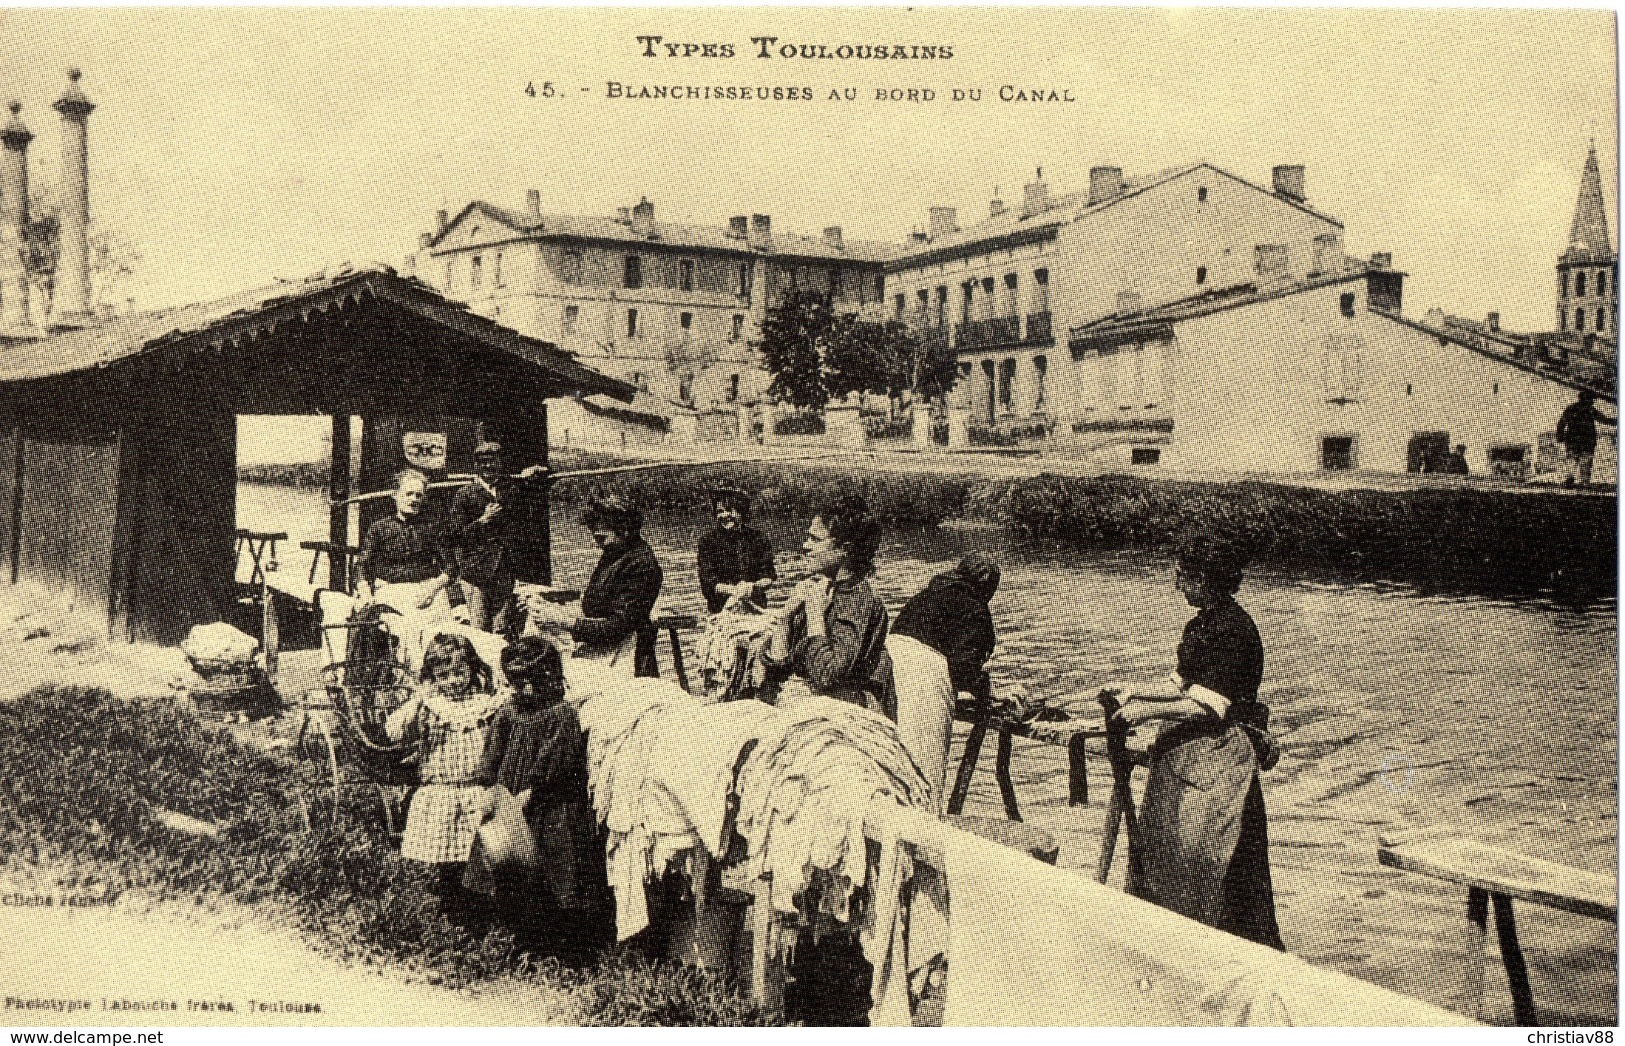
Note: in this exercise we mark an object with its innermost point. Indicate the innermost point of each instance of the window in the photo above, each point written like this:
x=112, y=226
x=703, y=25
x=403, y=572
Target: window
x=742, y=289
x=1007, y=381
x=631, y=323
x=685, y=274
x=474, y=273
x=1562, y=319
x=1343, y=363
x=733, y=388
x=571, y=269
x=1146, y=455
x=572, y=313
x=496, y=269
x=1602, y=323
x=1040, y=372
x=942, y=307
x=1201, y=194
x=1495, y=388
x=1602, y=284
x=835, y=283
x=899, y=304
x=634, y=272
x=1201, y=274
x=1579, y=319
x=1337, y=453
x=1041, y=290
x=449, y=272
x=880, y=286
x=1563, y=284
x=685, y=388
x=636, y=378
x=1408, y=388
x=1579, y=285
x=686, y=320
x=1345, y=304
x=739, y=328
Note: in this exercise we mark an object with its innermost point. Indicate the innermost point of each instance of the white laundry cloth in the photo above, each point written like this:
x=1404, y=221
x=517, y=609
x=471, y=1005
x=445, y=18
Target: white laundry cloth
x=1035, y=945
x=925, y=708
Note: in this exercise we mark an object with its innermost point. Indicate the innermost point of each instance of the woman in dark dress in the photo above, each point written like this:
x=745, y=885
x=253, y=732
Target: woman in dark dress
x=1203, y=842
x=735, y=559
x=621, y=593
x=831, y=633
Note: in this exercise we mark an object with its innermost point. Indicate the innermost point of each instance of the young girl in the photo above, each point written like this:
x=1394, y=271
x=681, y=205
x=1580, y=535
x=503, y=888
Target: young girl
x=537, y=749
x=448, y=719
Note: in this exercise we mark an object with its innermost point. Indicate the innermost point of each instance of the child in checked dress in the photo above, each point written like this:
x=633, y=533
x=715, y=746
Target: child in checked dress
x=448, y=719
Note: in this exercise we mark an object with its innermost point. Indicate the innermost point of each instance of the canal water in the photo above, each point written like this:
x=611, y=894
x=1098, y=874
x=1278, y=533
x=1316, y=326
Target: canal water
x=1398, y=708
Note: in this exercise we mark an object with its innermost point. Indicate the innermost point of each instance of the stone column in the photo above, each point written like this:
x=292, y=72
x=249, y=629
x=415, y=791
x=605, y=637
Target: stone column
x=71, y=298
x=14, y=315
x=770, y=423
x=922, y=426
x=843, y=425
x=958, y=428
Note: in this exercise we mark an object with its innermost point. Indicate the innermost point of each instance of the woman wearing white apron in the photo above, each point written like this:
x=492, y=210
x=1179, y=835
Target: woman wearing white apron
x=939, y=645
x=403, y=566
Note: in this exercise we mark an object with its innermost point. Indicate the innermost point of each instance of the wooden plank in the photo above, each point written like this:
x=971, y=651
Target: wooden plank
x=1478, y=912
x=1506, y=932
x=1461, y=860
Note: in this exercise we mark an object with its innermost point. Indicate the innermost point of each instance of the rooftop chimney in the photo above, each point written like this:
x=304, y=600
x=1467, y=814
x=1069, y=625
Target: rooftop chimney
x=1381, y=260
x=70, y=304
x=1289, y=182
x=832, y=237
x=533, y=204
x=1493, y=321
x=623, y=215
x=944, y=222
x=441, y=220
x=995, y=206
x=1105, y=183
x=761, y=231
x=14, y=316
x=643, y=217
x=1035, y=196
x=738, y=226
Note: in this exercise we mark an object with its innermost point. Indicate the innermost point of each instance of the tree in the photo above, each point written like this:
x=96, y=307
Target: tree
x=112, y=259
x=795, y=336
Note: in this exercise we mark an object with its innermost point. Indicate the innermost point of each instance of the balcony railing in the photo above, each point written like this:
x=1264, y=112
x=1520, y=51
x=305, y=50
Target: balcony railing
x=1038, y=329
x=1002, y=330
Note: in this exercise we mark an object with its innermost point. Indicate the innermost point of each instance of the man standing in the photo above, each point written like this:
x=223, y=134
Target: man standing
x=1577, y=431
x=481, y=536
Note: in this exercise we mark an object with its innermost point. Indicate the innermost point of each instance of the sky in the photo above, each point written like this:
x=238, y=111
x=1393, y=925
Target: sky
x=234, y=146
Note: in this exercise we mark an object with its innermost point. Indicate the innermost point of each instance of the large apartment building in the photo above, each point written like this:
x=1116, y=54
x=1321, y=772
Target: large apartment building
x=673, y=308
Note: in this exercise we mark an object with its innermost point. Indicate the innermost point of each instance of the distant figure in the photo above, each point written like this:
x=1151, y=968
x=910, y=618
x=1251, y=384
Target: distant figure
x=1577, y=431
x=1203, y=844
x=1455, y=463
x=735, y=559
x=480, y=535
x=939, y=647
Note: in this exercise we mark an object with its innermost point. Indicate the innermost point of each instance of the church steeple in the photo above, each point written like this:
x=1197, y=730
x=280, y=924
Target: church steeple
x=1587, y=273
x=1589, y=233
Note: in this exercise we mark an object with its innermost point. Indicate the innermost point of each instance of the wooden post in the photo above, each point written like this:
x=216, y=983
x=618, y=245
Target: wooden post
x=543, y=520
x=967, y=768
x=1478, y=910
x=1506, y=932
x=767, y=957
x=1001, y=770
x=338, y=520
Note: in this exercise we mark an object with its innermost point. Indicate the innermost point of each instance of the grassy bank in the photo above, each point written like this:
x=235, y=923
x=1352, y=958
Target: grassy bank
x=86, y=774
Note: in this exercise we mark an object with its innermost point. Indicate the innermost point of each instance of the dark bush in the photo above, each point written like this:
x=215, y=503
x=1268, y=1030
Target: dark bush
x=801, y=424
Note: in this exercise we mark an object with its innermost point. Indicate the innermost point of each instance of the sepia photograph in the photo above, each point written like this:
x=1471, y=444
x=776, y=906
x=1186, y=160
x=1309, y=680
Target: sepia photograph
x=808, y=517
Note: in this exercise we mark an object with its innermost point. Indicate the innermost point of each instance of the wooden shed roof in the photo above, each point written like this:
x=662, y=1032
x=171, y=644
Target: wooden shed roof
x=240, y=320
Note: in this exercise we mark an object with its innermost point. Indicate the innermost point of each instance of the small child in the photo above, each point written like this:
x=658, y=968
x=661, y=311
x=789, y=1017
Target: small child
x=448, y=719
x=537, y=746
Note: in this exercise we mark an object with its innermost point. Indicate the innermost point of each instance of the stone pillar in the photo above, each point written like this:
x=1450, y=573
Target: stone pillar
x=770, y=423
x=14, y=315
x=71, y=299
x=843, y=425
x=743, y=430
x=923, y=422
x=958, y=428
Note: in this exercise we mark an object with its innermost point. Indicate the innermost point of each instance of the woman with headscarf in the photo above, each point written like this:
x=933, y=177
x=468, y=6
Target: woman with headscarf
x=735, y=559
x=1203, y=842
x=939, y=648
x=831, y=632
x=614, y=625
